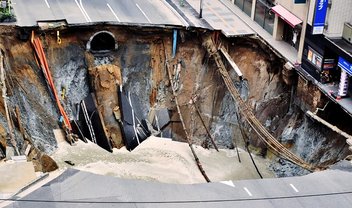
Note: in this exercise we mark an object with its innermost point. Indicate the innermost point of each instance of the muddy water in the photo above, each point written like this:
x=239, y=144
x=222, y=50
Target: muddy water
x=162, y=160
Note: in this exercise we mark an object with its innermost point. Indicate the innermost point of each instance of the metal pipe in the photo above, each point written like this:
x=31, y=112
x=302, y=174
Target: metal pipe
x=201, y=9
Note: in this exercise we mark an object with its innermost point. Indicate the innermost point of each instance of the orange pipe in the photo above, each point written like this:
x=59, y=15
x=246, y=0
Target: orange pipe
x=45, y=68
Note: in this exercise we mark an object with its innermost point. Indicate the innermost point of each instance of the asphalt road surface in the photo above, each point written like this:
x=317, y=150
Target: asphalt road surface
x=151, y=12
x=332, y=188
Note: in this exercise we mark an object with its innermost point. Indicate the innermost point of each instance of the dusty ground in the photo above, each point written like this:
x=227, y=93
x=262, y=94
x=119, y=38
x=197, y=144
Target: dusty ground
x=12, y=177
x=159, y=159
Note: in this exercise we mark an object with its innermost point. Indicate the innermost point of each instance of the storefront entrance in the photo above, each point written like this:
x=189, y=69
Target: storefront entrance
x=288, y=27
x=292, y=35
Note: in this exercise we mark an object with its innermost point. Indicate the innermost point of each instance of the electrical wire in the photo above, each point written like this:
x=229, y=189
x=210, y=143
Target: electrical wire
x=181, y=201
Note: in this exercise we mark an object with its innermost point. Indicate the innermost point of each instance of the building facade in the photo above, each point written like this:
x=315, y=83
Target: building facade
x=283, y=19
x=320, y=31
x=327, y=54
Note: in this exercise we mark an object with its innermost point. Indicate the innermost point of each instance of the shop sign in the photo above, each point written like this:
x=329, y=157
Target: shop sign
x=314, y=57
x=319, y=17
x=329, y=64
x=345, y=65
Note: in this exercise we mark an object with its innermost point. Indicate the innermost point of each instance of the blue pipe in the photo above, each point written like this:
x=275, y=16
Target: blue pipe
x=174, y=46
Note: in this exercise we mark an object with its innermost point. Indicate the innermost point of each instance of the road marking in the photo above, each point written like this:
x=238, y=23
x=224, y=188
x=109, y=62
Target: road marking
x=249, y=193
x=90, y=20
x=84, y=14
x=113, y=12
x=294, y=188
x=143, y=13
x=229, y=183
x=184, y=22
x=47, y=3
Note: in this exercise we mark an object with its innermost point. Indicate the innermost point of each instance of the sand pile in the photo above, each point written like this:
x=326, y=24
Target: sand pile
x=160, y=159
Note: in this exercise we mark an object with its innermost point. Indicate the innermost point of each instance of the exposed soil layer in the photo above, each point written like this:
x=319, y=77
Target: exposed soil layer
x=139, y=65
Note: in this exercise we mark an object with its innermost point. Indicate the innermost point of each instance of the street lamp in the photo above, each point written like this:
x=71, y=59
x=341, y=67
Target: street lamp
x=201, y=9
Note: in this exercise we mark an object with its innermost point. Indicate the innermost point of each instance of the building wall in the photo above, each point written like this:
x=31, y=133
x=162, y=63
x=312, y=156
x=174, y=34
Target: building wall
x=297, y=9
x=311, y=12
x=339, y=13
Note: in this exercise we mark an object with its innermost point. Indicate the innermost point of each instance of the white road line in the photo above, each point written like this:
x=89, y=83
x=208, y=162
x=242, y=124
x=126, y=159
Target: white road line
x=294, y=188
x=47, y=3
x=249, y=193
x=79, y=6
x=80, y=1
x=113, y=12
x=143, y=13
x=184, y=22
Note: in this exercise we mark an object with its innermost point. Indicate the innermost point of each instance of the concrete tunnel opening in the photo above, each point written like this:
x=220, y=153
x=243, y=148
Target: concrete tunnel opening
x=103, y=41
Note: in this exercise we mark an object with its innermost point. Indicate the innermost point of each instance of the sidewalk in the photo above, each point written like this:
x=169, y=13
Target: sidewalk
x=222, y=18
x=223, y=15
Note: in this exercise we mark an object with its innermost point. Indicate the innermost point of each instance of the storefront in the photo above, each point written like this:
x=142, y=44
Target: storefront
x=263, y=15
x=244, y=5
x=288, y=26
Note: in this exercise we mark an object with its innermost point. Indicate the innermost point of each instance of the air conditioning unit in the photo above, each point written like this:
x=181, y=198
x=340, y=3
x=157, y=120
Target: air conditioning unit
x=347, y=32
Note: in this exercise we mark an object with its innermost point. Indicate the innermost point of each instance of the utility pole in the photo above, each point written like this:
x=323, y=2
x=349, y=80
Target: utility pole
x=201, y=9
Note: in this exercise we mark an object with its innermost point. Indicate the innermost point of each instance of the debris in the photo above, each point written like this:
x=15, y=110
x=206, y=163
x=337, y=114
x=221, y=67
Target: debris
x=134, y=129
x=199, y=165
x=20, y=158
x=203, y=122
x=76, y=129
x=28, y=148
x=160, y=119
x=232, y=63
x=332, y=127
x=93, y=126
x=69, y=162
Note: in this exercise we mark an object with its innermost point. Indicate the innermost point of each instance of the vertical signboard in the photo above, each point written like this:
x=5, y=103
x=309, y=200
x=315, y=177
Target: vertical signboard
x=319, y=16
x=345, y=65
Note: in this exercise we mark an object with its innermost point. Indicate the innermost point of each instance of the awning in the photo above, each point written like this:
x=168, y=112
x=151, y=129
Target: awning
x=286, y=15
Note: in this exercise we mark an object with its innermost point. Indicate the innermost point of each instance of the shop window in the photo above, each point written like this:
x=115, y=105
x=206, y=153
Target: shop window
x=259, y=15
x=315, y=58
x=239, y=3
x=263, y=16
x=269, y=21
x=247, y=7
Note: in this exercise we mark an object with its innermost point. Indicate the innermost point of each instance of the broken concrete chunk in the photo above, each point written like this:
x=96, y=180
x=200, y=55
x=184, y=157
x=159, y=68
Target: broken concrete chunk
x=28, y=148
x=21, y=158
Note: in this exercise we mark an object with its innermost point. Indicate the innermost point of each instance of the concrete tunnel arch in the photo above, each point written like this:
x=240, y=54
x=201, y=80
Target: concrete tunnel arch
x=102, y=41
